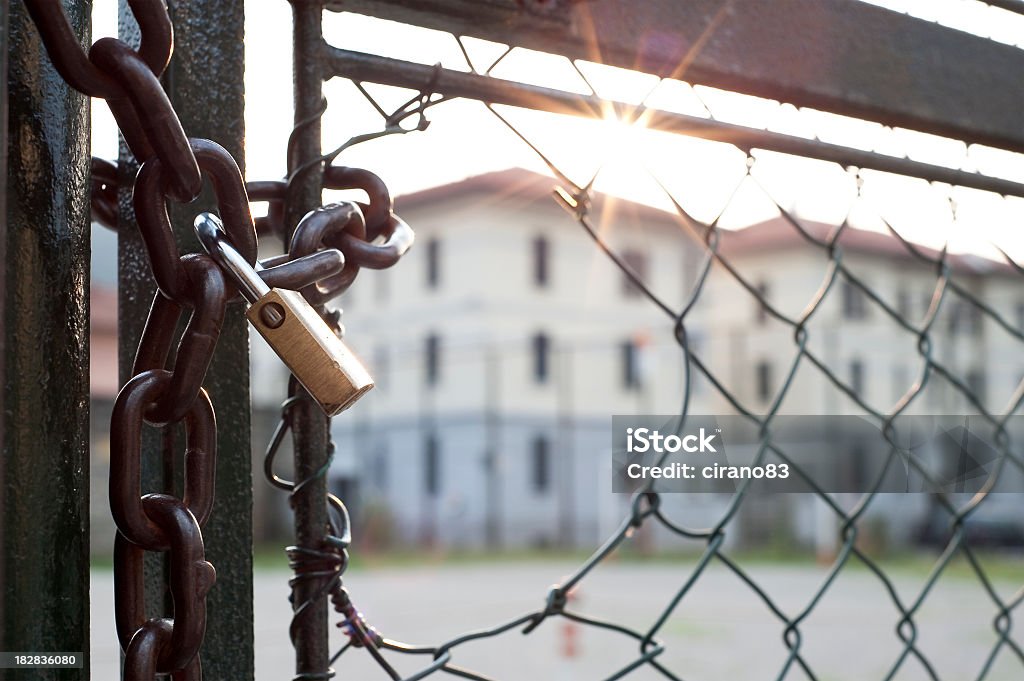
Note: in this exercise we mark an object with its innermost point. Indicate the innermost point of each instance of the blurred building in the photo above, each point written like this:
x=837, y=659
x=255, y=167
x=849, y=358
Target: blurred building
x=854, y=336
x=103, y=387
x=502, y=346
x=505, y=341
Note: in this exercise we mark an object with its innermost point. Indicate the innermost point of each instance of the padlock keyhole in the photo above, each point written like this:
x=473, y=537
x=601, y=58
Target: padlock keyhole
x=272, y=315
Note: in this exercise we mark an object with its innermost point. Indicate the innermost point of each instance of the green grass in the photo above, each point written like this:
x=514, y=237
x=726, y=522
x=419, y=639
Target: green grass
x=998, y=566
x=1003, y=567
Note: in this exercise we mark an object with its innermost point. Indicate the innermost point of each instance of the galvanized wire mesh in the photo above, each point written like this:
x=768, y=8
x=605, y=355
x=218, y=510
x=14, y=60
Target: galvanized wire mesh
x=950, y=293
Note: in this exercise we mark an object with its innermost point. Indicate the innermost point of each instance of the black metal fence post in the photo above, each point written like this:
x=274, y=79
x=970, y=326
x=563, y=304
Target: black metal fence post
x=205, y=82
x=44, y=273
x=310, y=425
x=206, y=86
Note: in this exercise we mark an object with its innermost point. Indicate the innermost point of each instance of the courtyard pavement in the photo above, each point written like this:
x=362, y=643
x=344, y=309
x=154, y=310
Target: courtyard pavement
x=720, y=630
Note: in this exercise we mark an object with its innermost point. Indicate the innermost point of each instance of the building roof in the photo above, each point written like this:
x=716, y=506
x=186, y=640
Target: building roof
x=518, y=184
x=103, y=374
x=778, y=234
x=768, y=236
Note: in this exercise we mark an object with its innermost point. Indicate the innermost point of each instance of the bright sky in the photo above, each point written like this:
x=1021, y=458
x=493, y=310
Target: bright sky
x=465, y=139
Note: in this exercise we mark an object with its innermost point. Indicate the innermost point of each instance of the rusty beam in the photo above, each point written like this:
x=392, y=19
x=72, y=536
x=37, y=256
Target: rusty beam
x=841, y=56
x=372, y=68
x=1009, y=5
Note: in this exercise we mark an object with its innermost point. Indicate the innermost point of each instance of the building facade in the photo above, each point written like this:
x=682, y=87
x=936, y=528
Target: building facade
x=505, y=341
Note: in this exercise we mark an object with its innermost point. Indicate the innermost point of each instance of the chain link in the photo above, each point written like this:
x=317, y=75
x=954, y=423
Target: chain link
x=173, y=166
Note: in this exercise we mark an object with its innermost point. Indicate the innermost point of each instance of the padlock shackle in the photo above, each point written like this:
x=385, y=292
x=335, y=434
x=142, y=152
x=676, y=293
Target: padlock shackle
x=214, y=240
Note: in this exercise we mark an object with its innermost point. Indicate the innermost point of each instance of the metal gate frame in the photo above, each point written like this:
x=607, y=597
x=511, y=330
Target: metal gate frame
x=892, y=69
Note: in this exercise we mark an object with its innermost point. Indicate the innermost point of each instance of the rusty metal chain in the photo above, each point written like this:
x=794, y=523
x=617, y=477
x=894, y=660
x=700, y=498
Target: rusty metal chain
x=173, y=166
x=367, y=234
x=129, y=81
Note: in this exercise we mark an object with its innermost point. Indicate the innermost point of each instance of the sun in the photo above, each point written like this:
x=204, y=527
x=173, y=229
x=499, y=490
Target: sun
x=621, y=140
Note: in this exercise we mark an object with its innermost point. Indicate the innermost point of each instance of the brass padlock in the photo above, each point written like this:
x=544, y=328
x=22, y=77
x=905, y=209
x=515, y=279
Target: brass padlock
x=332, y=375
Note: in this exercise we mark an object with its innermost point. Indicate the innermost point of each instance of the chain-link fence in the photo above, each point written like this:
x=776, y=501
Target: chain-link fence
x=872, y=245
x=841, y=267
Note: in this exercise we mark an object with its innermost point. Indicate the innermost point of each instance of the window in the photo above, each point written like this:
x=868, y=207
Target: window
x=541, y=258
x=857, y=376
x=381, y=366
x=965, y=318
x=761, y=312
x=433, y=263
x=431, y=362
x=955, y=316
x=976, y=384
x=637, y=262
x=854, y=301
x=903, y=303
x=541, y=357
x=380, y=467
x=630, y=366
x=540, y=469
x=974, y=319
x=764, y=381
x=431, y=466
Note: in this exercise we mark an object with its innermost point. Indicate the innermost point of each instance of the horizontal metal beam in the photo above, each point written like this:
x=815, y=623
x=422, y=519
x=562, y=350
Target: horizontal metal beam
x=1011, y=5
x=360, y=66
x=841, y=56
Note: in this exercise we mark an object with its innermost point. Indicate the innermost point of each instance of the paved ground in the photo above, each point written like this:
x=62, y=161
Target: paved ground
x=720, y=630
